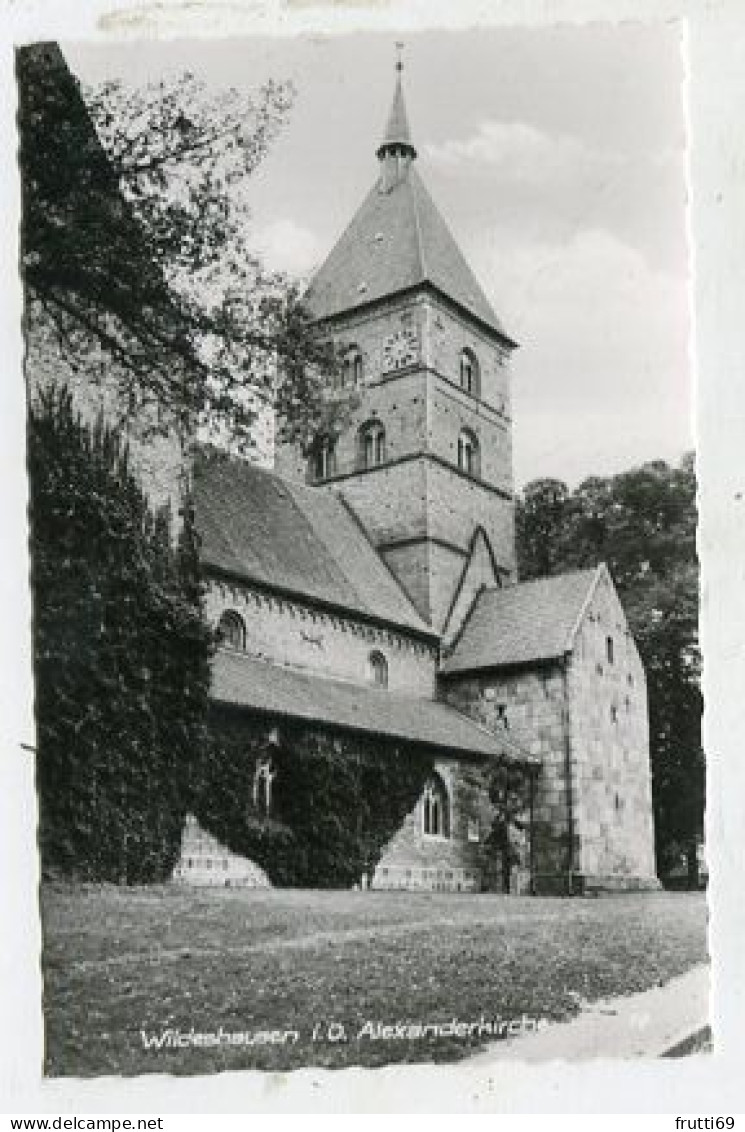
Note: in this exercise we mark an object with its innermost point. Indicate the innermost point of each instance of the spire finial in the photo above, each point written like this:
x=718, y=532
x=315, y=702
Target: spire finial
x=399, y=56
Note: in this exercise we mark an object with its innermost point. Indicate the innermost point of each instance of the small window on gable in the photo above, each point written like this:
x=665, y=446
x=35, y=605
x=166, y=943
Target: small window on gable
x=323, y=458
x=435, y=809
x=609, y=649
x=378, y=669
x=468, y=453
x=231, y=630
x=372, y=444
x=264, y=776
x=613, y=713
x=469, y=373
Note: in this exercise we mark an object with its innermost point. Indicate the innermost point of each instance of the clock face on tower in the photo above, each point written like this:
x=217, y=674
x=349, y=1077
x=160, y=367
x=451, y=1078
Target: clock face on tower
x=400, y=349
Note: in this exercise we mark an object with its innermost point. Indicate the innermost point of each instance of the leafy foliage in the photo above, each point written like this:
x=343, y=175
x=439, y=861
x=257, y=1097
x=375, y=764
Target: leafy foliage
x=337, y=801
x=121, y=656
x=134, y=250
x=642, y=523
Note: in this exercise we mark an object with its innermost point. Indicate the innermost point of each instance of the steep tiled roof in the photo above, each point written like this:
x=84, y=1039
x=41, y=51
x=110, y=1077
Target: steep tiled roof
x=527, y=622
x=301, y=540
x=241, y=681
x=397, y=240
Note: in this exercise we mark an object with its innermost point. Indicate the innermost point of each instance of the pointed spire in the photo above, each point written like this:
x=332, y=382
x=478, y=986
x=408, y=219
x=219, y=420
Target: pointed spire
x=397, y=140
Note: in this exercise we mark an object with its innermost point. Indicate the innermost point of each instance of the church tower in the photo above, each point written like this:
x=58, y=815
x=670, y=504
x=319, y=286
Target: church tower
x=425, y=462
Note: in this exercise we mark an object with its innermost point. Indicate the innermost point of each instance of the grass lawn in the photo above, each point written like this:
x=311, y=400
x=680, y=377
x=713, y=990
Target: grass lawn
x=118, y=962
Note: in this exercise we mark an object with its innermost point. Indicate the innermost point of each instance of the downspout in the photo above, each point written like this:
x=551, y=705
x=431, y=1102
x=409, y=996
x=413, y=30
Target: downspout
x=568, y=775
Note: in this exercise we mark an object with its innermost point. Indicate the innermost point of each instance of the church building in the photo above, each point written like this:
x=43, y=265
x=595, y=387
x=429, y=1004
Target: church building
x=370, y=590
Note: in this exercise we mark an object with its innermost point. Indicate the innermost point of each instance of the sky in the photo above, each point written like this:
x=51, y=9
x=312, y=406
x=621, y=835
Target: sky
x=558, y=158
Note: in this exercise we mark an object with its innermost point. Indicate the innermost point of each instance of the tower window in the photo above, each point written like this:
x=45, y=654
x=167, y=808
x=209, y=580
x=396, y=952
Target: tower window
x=264, y=776
x=323, y=459
x=469, y=373
x=231, y=630
x=435, y=809
x=609, y=649
x=378, y=669
x=372, y=444
x=468, y=453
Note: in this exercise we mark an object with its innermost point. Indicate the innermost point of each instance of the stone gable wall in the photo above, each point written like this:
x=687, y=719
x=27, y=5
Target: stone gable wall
x=290, y=632
x=589, y=719
x=529, y=705
x=610, y=744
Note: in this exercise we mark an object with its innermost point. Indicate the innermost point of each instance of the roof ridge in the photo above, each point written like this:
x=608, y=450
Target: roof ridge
x=588, y=570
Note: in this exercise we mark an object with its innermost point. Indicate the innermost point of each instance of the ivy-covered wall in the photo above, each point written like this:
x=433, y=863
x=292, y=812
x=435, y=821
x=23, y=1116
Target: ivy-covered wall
x=336, y=799
x=121, y=656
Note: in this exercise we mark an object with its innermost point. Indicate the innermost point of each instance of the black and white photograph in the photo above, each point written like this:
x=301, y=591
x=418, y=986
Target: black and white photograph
x=362, y=549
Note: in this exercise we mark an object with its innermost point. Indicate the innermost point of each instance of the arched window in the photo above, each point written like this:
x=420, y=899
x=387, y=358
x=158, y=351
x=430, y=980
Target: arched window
x=323, y=458
x=231, y=630
x=378, y=669
x=435, y=809
x=264, y=776
x=469, y=372
x=468, y=453
x=351, y=367
x=372, y=444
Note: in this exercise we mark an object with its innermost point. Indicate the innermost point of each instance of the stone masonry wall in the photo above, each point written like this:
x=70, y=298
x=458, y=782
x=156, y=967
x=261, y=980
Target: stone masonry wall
x=419, y=500
x=292, y=633
x=458, y=505
x=423, y=410
x=450, y=410
x=530, y=705
x=610, y=744
x=414, y=860
x=448, y=334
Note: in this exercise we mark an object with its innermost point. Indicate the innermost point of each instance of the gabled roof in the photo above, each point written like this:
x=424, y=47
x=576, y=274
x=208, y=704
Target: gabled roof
x=293, y=693
x=397, y=240
x=524, y=623
x=299, y=540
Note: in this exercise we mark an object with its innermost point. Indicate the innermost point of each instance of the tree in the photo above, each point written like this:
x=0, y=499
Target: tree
x=541, y=522
x=121, y=655
x=134, y=249
x=642, y=523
